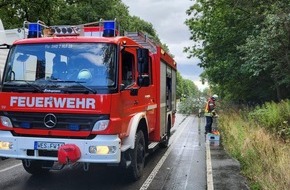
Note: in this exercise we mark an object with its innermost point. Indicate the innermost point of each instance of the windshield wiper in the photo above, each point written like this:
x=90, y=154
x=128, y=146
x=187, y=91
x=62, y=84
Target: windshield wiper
x=76, y=82
x=38, y=88
x=35, y=87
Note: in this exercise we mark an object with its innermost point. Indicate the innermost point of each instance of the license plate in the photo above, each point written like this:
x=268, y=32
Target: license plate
x=39, y=145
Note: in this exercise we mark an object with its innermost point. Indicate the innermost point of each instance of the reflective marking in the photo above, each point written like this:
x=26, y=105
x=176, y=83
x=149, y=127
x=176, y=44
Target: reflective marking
x=147, y=96
x=151, y=107
x=11, y=167
x=161, y=161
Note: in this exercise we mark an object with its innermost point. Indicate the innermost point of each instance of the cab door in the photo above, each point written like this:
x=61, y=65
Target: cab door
x=135, y=97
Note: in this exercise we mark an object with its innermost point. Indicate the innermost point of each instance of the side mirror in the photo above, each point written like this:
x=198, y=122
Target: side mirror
x=143, y=60
x=122, y=87
x=143, y=67
x=143, y=80
x=5, y=46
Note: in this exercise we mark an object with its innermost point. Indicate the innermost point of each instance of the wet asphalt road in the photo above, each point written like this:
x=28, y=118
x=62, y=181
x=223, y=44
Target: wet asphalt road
x=181, y=166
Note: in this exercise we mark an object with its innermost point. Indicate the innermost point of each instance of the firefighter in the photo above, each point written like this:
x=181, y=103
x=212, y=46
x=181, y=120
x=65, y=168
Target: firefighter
x=59, y=69
x=209, y=113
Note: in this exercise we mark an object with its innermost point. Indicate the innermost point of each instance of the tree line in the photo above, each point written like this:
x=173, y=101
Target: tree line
x=73, y=12
x=243, y=46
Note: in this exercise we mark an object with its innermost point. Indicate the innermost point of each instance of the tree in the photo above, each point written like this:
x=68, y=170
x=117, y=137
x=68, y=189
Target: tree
x=267, y=54
x=185, y=87
x=14, y=13
x=226, y=30
x=189, y=95
x=179, y=85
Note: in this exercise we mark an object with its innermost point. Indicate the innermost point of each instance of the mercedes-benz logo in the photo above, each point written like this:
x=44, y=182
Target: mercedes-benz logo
x=50, y=120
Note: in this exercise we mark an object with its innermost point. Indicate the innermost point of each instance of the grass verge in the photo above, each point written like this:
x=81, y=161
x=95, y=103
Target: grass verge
x=264, y=158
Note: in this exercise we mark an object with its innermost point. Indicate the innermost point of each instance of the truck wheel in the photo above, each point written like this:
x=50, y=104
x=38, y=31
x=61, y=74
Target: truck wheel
x=137, y=156
x=37, y=166
x=165, y=142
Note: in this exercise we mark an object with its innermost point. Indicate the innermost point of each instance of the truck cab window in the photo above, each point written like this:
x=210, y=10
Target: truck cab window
x=127, y=68
x=67, y=65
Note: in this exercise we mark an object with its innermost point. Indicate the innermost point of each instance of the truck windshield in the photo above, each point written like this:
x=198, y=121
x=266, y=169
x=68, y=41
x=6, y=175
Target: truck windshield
x=61, y=65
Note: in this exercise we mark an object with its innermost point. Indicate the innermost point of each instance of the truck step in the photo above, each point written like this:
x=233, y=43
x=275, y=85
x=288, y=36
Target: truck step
x=153, y=145
x=56, y=166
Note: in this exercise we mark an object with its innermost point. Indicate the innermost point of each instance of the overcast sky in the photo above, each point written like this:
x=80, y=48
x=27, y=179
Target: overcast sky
x=168, y=17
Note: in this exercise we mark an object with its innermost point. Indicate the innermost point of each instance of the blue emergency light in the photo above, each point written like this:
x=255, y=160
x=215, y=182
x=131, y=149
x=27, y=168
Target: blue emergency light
x=34, y=30
x=74, y=127
x=109, y=28
x=25, y=125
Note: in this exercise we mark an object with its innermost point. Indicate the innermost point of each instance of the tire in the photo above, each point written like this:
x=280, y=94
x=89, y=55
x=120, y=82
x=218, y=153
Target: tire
x=165, y=142
x=37, y=166
x=137, y=156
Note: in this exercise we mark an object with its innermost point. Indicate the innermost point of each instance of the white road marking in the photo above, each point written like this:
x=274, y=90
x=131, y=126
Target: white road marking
x=161, y=161
x=11, y=167
x=208, y=167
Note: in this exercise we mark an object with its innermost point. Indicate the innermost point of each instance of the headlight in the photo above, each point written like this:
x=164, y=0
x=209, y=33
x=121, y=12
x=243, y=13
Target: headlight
x=101, y=125
x=6, y=122
x=5, y=145
x=102, y=150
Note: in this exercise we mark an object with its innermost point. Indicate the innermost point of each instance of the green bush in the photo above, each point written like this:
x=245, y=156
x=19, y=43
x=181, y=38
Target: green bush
x=275, y=117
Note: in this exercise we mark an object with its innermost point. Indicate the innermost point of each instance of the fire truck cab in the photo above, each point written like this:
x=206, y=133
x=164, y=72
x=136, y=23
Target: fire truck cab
x=85, y=94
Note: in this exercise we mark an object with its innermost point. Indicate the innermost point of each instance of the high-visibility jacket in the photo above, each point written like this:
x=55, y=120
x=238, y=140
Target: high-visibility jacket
x=209, y=108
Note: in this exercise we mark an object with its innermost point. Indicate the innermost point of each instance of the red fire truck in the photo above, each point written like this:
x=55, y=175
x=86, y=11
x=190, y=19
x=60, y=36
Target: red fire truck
x=84, y=94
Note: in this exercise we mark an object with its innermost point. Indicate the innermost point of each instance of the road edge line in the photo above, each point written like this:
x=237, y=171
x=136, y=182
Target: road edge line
x=209, y=176
x=9, y=168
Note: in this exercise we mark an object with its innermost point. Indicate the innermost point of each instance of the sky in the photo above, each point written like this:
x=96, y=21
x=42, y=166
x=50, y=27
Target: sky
x=167, y=18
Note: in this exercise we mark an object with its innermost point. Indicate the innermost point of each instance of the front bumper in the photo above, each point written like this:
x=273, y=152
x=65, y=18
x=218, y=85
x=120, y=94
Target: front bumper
x=22, y=145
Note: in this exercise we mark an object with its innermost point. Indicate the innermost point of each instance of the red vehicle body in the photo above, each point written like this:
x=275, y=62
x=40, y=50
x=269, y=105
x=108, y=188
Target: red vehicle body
x=112, y=104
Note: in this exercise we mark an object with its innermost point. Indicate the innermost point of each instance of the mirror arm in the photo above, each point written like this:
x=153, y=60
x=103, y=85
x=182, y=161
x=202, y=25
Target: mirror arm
x=5, y=46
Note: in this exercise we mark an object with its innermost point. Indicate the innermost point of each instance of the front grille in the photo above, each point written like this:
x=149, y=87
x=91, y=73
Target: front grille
x=84, y=122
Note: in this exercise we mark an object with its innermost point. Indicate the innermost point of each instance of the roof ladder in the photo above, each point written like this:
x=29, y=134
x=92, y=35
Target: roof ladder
x=143, y=40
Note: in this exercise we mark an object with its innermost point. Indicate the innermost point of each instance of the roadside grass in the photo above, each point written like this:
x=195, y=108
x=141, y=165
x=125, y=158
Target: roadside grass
x=275, y=117
x=263, y=152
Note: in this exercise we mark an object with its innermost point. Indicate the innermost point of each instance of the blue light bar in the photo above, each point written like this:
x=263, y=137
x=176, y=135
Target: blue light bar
x=109, y=25
x=25, y=125
x=34, y=30
x=109, y=28
x=74, y=127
